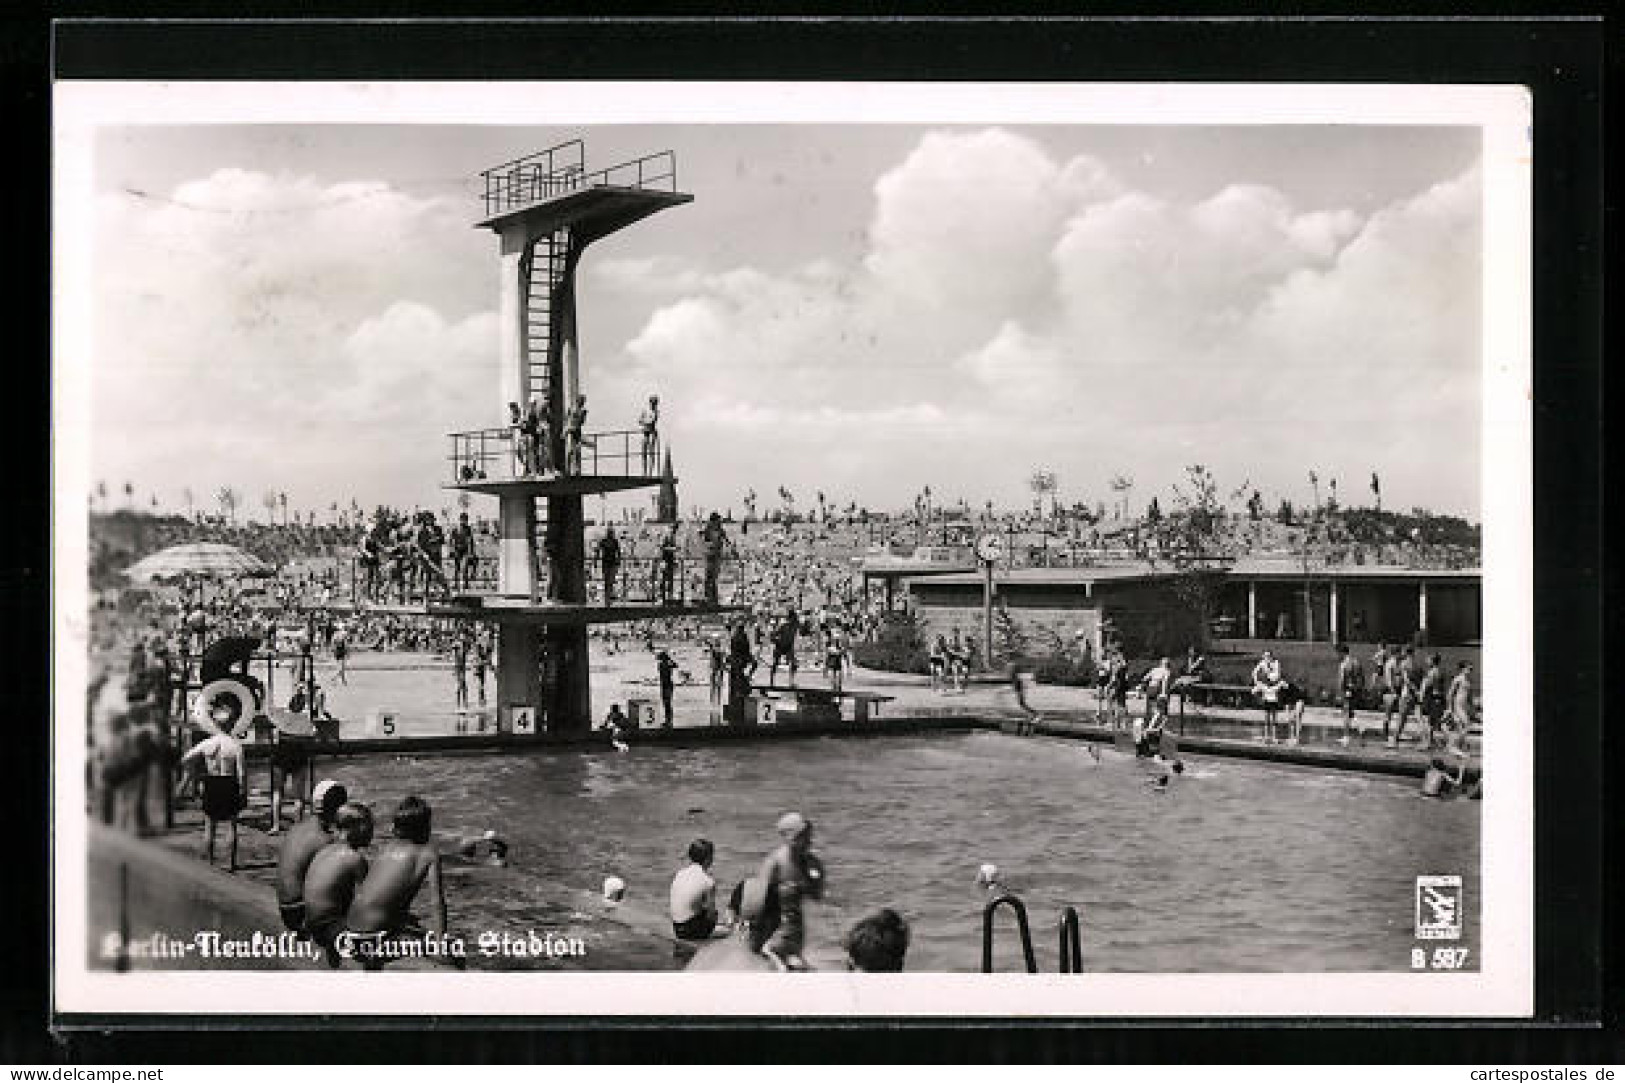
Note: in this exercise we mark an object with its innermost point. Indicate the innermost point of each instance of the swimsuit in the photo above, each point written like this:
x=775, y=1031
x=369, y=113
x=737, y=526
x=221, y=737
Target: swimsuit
x=293, y=915
x=222, y=797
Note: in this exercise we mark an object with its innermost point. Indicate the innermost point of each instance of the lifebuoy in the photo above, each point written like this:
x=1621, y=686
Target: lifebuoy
x=231, y=695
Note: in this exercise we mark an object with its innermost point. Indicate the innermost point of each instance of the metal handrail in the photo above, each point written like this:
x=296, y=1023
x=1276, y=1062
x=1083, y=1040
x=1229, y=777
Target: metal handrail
x=489, y=455
x=537, y=177
x=1021, y=924
x=1071, y=942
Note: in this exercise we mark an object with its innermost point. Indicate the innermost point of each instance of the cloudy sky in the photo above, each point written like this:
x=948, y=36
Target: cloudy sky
x=864, y=310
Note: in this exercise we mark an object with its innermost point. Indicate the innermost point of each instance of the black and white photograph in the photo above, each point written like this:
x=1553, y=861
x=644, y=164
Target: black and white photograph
x=821, y=549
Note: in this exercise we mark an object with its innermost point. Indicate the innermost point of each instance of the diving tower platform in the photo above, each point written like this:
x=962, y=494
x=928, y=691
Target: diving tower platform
x=545, y=209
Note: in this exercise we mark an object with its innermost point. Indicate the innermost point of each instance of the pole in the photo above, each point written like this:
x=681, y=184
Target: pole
x=987, y=615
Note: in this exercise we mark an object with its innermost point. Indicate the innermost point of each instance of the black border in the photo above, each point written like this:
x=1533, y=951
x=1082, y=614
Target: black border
x=1565, y=64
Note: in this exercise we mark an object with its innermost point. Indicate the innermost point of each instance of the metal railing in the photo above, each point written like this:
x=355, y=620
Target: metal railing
x=637, y=581
x=1071, y=947
x=559, y=170
x=500, y=455
x=1022, y=928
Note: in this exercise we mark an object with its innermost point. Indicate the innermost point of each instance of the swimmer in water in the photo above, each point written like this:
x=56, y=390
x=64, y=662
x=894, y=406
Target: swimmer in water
x=614, y=889
x=988, y=879
x=1162, y=781
x=495, y=848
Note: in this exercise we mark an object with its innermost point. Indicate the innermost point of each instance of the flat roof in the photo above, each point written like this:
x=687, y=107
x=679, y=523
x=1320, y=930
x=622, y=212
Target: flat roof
x=1129, y=573
x=593, y=211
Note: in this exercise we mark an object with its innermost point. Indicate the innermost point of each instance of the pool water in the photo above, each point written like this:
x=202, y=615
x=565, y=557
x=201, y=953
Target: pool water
x=1240, y=866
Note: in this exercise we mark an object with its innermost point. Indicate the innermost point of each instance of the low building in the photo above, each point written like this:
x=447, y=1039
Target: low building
x=1152, y=610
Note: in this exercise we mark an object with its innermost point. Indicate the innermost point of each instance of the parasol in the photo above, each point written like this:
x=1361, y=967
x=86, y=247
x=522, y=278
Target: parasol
x=199, y=559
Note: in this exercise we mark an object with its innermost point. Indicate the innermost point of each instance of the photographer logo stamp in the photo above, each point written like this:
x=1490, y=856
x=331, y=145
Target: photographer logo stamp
x=1438, y=907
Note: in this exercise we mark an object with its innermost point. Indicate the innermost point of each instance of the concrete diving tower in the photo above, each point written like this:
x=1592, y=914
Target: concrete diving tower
x=545, y=209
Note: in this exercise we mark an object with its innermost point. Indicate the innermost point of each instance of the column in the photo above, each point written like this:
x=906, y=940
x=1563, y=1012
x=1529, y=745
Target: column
x=1252, y=609
x=512, y=289
x=1422, y=606
x=1335, y=635
x=516, y=534
x=519, y=682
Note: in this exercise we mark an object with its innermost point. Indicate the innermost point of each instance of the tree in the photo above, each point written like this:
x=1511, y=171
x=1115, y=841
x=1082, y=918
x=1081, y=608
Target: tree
x=129, y=495
x=1043, y=483
x=282, y=501
x=1255, y=506
x=268, y=501
x=1153, y=512
x=101, y=493
x=1376, y=489
x=750, y=505
x=187, y=493
x=1314, y=483
x=227, y=498
x=1284, y=514
x=1200, y=509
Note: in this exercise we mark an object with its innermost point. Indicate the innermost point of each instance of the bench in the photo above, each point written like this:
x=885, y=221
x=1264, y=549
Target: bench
x=814, y=704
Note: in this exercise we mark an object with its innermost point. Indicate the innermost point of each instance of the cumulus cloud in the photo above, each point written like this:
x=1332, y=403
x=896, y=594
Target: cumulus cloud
x=253, y=328
x=1010, y=308
x=1054, y=315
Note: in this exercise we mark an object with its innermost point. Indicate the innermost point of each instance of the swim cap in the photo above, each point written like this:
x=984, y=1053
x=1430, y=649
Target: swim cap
x=792, y=824
x=614, y=889
x=987, y=874
x=328, y=795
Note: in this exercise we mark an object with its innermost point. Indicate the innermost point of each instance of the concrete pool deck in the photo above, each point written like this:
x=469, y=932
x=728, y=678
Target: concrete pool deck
x=427, y=725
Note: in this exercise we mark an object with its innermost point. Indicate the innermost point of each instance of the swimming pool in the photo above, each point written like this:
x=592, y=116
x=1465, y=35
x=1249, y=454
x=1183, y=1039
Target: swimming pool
x=1241, y=866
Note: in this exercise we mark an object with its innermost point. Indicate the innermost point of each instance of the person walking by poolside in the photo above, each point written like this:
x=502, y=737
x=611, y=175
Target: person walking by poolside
x=459, y=669
x=784, y=646
x=666, y=669
x=1407, y=696
x=304, y=841
x=1392, y=685
x=958, y=658
x=835, y=646
x=484, y=648
x=741, y=664
x=1430, y=696
x=1267, y=682
x=1158, y=684
x=715, y=540
x=791, y=874
x=693, y=895
x=1350, y=685
x=382, y=904
x=649, y=426
x=574, y=424
x=224, y=785
x=333, y=876
x=1117, y=688
x=608, y=552
x=341, y=654
x=936, y=662
x=718, y=659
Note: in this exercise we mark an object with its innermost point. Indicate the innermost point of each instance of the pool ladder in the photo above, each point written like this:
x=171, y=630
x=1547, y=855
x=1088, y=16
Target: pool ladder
x=1068, y=930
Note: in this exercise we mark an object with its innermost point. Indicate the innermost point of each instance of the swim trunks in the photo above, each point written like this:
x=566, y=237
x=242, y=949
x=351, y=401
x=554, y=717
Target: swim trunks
x=698, y=927
x=222, y=797
x=293, y=915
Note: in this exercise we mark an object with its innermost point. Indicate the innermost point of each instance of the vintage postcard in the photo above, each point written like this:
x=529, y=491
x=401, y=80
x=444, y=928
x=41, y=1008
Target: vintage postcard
x=792, y=550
